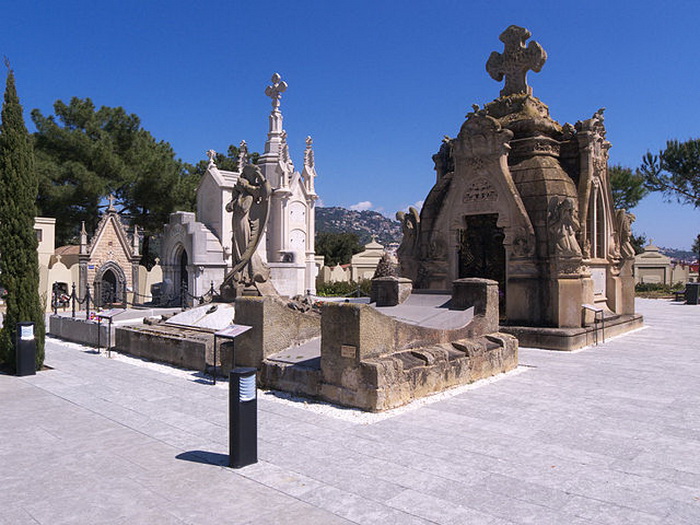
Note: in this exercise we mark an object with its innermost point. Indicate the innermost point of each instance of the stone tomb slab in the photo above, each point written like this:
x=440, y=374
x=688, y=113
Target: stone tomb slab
x=307, y=354
x=429, y=310
x=215, y=316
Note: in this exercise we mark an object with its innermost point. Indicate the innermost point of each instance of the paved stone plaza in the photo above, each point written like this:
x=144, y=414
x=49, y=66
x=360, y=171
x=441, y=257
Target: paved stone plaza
x=609, y=434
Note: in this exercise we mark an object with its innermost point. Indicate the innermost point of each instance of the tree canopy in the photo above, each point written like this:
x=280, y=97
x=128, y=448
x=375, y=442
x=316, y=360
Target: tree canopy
x=675, y=171
x=84, y=153
x=627, y=186
x=337, y=248
x=696, y=247
x=19, y=263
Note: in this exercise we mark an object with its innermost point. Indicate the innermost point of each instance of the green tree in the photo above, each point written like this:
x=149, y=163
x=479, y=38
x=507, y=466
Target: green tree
x=337, y=248
x=675, y=171
x=84, y=153
x=19, y=263
x=638, y=242
x=627, y=187
x=696, y=247
x=227, y=161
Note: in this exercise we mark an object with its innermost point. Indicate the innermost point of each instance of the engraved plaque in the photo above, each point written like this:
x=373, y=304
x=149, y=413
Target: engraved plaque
x=348, y=351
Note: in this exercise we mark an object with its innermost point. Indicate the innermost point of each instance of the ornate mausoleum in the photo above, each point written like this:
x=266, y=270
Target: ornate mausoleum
x=525, y=201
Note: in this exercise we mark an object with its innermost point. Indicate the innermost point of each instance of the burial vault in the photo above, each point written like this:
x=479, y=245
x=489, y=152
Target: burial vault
x=525, y=201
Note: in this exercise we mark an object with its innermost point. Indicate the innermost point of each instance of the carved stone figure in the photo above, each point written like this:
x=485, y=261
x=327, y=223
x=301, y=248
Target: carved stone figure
x=515, y=60
x=563, y=226
x=250, y=207
x=410, y=223
x=624, y=225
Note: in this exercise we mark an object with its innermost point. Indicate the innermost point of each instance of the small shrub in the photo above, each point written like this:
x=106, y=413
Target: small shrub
x=344, y=288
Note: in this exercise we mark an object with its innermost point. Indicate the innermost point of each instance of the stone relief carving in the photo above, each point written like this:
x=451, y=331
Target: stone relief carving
x=523, y=244
x=250, y=207
x=479, y=190
x=563, y=226
x=482, y=137
x=516, y=60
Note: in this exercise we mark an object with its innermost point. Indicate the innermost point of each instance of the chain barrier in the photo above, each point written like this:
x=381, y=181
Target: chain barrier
x=60, y=299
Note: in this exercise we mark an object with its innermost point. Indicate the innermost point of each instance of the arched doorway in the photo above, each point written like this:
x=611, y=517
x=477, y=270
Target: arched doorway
x=109, y=285
x=184, y=277
x=481, y=252
x=109, y=288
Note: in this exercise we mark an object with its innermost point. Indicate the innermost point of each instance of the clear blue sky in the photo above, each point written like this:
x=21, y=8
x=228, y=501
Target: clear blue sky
x=377, y=84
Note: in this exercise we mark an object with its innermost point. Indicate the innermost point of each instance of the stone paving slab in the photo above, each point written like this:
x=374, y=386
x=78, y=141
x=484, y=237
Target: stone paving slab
x=608, y=434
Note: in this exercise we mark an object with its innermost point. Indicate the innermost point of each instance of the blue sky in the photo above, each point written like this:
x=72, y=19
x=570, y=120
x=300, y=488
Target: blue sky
x=376, y=84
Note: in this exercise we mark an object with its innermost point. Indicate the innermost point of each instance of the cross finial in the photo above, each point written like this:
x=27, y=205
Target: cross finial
x=515, y=60
x=111, y=198
x=275, y=91
x=212, y=155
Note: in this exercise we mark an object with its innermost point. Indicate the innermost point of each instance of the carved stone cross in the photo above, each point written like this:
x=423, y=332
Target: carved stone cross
x=275, y=91
x=515, y=60
x=111, y=198
x=212, y=155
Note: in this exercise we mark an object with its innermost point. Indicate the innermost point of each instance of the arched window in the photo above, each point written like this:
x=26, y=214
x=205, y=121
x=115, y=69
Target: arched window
x=595, y=224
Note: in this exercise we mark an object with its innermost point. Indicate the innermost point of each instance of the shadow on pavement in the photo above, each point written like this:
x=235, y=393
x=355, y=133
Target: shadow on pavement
x=202, y=456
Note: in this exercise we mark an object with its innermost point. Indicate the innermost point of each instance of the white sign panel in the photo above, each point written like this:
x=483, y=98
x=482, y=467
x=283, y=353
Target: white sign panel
x=26, y=333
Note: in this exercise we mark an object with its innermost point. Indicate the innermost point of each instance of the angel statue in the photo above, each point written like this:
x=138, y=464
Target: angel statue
x=563, y=225
x=250, y=208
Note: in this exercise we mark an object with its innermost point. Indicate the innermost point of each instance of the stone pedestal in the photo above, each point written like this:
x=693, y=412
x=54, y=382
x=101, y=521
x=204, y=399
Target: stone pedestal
x=390, y=291
x=482, y=294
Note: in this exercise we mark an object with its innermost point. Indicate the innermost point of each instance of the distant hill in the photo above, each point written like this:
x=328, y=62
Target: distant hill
x=364, y=223
x=679, y=255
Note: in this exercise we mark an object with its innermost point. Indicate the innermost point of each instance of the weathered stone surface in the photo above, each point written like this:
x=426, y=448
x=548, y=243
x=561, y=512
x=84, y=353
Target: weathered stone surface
x=390, y=291
x=275, y=327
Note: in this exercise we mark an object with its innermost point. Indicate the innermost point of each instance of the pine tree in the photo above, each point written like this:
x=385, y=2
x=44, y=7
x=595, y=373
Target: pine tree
x=19, y=262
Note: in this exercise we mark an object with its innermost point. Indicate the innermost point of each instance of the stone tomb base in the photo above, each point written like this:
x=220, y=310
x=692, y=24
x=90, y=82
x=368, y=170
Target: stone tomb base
x=376, y=358
x=568, y=339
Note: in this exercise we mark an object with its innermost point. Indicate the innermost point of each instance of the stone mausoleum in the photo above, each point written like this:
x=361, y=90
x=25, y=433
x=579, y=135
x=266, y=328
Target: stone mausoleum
x=197, y=248
x=526, y=201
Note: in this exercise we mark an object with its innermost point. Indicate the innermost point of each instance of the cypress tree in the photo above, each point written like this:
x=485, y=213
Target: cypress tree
x=19, y=261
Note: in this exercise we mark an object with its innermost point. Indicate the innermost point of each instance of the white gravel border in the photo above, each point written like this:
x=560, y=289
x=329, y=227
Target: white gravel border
x=323, y=408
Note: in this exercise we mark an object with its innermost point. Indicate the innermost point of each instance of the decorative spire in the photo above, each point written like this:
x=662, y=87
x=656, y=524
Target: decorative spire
x=285, y=157
x=83, y=239
x=242, y=155
x=111, y=198
x=212, y=155
x=309, y=153
x=515, y=61
x=275, y=91
x=135, y=241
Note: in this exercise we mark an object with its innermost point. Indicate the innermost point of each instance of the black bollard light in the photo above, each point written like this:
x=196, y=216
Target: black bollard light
x=243, y=417
x=25, y=349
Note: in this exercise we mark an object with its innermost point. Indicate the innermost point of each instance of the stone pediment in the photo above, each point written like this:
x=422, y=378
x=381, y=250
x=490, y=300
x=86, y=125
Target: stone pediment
x=108, y=230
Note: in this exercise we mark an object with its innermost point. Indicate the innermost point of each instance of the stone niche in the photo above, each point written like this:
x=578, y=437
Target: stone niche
x=526, y=201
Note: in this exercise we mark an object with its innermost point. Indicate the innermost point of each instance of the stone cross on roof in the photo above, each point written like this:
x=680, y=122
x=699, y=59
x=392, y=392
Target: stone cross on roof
x=111, y=198
x=515, y=60
x=275, y=91
x=212, y=155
